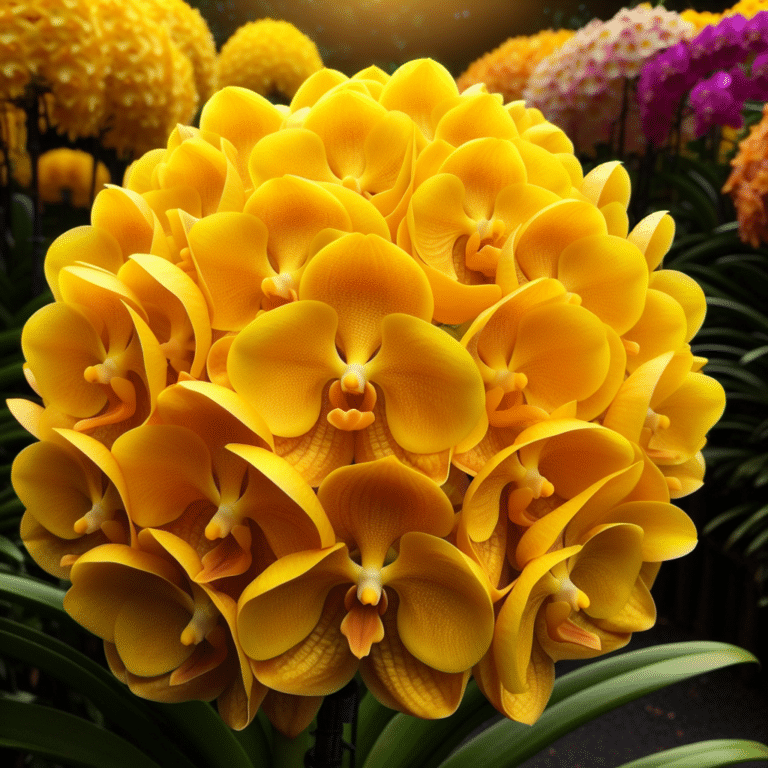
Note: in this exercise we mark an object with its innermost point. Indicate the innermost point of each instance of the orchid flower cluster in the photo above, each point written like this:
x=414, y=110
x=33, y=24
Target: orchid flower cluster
x=377, y=382
x=722, y=67
x=585, y=85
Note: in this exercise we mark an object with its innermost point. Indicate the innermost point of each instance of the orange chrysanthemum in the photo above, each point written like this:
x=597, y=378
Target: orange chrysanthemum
x=506, y=69
x=748, y=184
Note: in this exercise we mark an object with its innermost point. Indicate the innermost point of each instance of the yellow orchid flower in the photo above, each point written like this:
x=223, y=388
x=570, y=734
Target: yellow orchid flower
x=73, y=493
x=522, y=345
x=359, y=336
x=582, y=558
x=167, y=637
x=181, y=478
x=92, y=355
x=391, y=587
x=666, y=408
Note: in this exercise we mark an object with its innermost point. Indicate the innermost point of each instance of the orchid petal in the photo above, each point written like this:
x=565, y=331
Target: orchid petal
x=432, y=389
x=229, y=251
x=365, y=278
x=445, y=616
x=301, y=333
x=401, y=681
x=318, y=665
x=290, y=594
x=372, y=505
x=540, y=241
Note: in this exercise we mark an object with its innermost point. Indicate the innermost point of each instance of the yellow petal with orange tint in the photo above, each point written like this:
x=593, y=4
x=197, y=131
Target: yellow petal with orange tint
x=418, y=88
x=281, y=362
x=433, y=392
x=290, y=594
x=105, y=577
x=445, y=616
x=514, y=636
x=321, y=664
x=688, y=294
x=365, y=278
x=294, y=211
x=540, y=241
x=401, y=681
x=582, y=267
x=372, y=505
x=229, y=251
x=167, y=467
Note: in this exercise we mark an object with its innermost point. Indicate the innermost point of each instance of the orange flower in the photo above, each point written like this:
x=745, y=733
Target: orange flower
x=748, y=184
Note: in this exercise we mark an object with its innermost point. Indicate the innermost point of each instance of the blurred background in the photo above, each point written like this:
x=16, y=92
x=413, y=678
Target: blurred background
x=351, y=36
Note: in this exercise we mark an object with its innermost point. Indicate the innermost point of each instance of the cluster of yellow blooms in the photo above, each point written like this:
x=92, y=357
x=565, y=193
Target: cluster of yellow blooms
x=66, y=175
x=748, y=184
x=506, y=69
x=269, y=57
x=126, y=70
x=378, y=381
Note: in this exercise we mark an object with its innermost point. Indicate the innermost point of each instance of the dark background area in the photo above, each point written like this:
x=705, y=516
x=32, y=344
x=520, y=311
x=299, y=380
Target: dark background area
x=353, y=35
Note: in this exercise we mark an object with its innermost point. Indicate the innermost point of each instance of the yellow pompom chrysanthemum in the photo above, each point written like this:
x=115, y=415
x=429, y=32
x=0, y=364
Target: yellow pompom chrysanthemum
x=149, y=82
x=190, y=32
x=54, y=46
x=268, y=57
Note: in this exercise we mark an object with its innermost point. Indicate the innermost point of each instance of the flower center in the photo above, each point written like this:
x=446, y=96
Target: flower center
x=91, y=521
x=280, y=286
x=102, y=373
x=204, y=617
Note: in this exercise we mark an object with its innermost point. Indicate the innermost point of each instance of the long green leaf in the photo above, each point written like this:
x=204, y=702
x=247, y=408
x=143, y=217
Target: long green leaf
x=409, y=742
x=66, y=738
x=78, y=671
x=200, y=727
x=37, y=595
x=507, y=743
x=372, y=717
x=704, y=754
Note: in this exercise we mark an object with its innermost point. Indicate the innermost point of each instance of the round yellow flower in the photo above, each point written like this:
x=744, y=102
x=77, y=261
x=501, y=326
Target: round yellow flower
x=55, y=47
x=65, y=175
x=149, y=83
x=700, y=19
x=747, y=8
x=268, y=57
x=190, y=32
x=378, y=381
x=506, y=69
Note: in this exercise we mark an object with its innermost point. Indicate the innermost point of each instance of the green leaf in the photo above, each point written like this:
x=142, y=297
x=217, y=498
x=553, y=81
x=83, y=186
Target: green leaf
x=750, y=313
x=748, y=525
x=199, y=726
x=118, y=705
x=10, y=552
x=66, y=738
x=590, y=692
x=410, y=742
x=704, y=754
x=38, y=595
x=372, y=717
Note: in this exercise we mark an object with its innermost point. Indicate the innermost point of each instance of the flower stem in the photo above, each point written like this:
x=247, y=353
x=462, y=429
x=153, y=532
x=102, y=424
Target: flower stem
x=336, y=710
